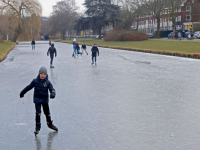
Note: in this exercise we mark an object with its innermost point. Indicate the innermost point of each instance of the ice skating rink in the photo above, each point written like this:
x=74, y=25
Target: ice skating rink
x=129, y=101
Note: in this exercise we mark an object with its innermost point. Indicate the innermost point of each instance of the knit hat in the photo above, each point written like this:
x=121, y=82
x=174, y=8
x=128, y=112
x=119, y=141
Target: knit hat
x=43, y=70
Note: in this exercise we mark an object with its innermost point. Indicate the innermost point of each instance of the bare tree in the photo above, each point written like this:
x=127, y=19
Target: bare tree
x=155, y=8
x=63, y=17
x=173, y=7
x=18, y=10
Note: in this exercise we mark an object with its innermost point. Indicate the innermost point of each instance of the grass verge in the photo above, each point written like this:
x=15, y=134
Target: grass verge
x=5, y=48
x=174, y=48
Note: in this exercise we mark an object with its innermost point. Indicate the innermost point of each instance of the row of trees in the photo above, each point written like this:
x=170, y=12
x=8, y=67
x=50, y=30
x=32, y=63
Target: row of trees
x=20, y=18
x=120, y=13
x=100, y=13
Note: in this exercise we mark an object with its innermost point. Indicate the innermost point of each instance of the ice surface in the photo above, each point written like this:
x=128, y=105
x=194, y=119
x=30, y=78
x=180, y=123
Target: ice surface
x=129, y=101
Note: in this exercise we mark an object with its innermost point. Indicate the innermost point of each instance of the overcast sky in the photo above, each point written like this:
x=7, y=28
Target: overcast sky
x=47, y=6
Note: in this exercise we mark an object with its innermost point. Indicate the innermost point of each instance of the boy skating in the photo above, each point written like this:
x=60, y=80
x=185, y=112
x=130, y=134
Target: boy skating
x=84, y=48
x=41, y=87
x=52, y=51
x=94, y=50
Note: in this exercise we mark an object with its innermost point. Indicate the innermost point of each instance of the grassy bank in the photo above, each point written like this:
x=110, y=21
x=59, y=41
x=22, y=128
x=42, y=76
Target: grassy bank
x=5, y=48
x=174, y=48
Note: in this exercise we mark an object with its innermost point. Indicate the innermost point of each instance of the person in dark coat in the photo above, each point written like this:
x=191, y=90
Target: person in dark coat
x=95, y=51
x=75, y=48
x=52, y=51
x=41, y=87
x=84, y=48
x=33, y=44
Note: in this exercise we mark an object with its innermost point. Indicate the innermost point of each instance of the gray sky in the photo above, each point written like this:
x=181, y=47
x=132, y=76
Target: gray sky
x=47, y=6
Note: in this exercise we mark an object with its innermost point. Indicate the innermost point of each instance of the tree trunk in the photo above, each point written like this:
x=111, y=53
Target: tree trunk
x=100, y=32
x=15, y=37
x=70, y=35
x=137, y=22
x=158, y=27
x=63, y=35
x=174, y=25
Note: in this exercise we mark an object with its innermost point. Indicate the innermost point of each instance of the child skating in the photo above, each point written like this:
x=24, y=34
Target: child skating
x=41, y=86
x=94, y=50
x=52, y=51
x=84, y=48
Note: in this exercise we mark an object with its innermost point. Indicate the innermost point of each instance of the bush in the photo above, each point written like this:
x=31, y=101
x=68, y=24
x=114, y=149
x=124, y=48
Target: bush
x=125, y=35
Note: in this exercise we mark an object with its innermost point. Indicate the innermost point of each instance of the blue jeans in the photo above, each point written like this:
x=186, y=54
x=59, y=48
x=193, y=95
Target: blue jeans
x=75, y=52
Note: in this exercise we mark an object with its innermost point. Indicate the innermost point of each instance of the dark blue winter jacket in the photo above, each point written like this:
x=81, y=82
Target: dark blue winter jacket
x=74, y=43
x=95, y=51
x=76, y=46
x=41, y=88
x=52, y=50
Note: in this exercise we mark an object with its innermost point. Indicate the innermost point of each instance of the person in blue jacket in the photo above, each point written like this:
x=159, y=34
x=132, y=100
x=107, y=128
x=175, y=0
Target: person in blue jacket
x=41, y=87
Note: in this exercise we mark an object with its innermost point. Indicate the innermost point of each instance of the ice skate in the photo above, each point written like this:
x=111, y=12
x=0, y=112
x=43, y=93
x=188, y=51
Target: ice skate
x=92, y=63
x=51, y=126
x=37, y=128
x=50, y=66
x=95, y=63
x=36, y=131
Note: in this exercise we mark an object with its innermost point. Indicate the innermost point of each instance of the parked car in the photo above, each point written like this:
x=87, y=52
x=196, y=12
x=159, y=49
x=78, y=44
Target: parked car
x=97, y=36
x=150, y=35
x=171, y=35
x=197, y=35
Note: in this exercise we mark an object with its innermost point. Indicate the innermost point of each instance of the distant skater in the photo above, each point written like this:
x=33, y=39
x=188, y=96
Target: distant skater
x=52, y=51
x=50, y=43
x=41, y=86
x=95, y=51
x=84, y=48
x=33, y=44
x=74, y=48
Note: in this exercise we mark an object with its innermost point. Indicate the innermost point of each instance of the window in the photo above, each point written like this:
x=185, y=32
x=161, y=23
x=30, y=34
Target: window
x=188, y=18
x=179, y=18
x=188, y=8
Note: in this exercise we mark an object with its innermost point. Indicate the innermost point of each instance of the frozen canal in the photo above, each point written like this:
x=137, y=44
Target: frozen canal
x=129, y=101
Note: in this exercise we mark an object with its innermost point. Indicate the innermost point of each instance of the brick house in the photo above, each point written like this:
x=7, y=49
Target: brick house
x=188, y=13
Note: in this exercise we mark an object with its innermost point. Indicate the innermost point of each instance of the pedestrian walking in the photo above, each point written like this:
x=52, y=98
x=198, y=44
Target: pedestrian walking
x=41, y=86
x=52, y=51
x=95, y=51
x=33, y=44
x=84, y=48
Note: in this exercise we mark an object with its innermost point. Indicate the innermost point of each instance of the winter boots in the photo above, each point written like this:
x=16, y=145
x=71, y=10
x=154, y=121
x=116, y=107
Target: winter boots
x=51, y=126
